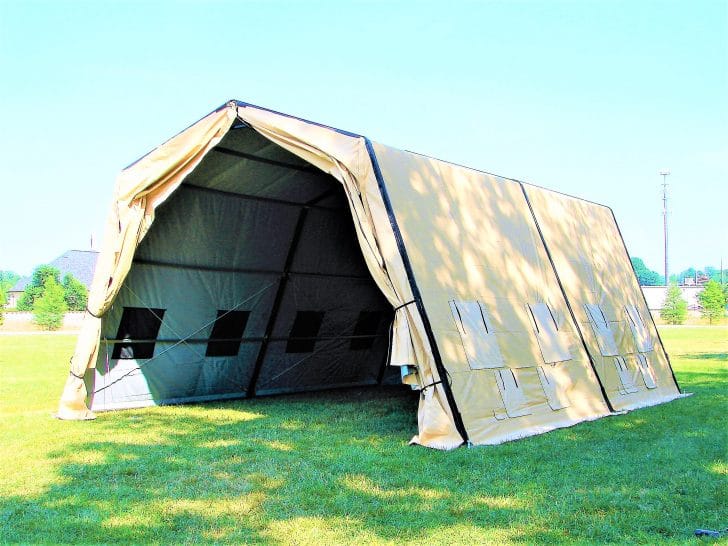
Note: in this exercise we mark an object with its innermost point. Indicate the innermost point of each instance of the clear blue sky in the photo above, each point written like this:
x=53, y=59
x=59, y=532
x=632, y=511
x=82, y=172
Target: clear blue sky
x=591, y=98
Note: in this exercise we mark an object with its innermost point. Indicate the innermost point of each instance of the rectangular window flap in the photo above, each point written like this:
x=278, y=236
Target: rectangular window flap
x=554, y=387
x=625, y=376
x=641, y=334
x=554, y=344
x=475, y=326
x=648, y=374
x=602, y=331
x=512, y=393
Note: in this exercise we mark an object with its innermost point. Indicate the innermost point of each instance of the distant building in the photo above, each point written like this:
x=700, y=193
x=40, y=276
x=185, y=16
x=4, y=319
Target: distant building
x=16, y=291
x=655, y=296
x=79, y=263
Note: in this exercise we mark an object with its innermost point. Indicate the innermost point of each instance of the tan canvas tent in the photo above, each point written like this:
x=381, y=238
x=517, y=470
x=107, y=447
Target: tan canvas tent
x=258, y=253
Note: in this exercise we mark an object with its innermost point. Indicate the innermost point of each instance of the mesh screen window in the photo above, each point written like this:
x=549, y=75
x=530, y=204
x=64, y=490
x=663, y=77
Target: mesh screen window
x=137, y=323
x=306, y=326
x=227, y=333
x=366, y=325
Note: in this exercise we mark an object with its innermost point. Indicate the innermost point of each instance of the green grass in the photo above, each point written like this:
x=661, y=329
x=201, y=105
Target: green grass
x=335, y=468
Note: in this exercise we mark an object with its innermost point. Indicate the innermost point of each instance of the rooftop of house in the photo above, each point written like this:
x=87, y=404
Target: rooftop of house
x=79, y=263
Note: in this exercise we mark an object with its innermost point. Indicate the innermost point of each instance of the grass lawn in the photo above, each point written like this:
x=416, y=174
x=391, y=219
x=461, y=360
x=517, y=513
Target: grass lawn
x=335, y=468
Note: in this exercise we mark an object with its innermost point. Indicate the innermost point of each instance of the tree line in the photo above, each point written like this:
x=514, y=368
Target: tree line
x=712, y=299
x=648, y=277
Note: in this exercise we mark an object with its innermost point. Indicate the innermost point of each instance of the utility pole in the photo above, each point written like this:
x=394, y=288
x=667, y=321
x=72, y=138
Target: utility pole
x=664, y=174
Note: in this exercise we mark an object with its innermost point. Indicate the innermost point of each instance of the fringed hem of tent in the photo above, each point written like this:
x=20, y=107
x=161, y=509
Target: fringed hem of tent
x=441, y=445
x=536, y=431
x=649, y=403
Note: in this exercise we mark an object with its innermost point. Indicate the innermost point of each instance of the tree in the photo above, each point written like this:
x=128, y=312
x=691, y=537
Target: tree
x=712, y=301
x=688, y=273
x=675, y=308
x=35, y=288
x=645, y=276
x=75, y=293
x=48, y=309
x=7, y=280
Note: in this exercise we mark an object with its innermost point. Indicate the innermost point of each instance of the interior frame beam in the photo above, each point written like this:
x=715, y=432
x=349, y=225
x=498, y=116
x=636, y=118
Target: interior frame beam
x=158, y=263
x=248, y=197
x=241, y=339
x=251, y=157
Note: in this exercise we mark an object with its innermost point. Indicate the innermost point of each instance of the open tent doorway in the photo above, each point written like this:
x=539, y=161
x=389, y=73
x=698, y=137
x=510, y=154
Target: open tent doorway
x=250, y=282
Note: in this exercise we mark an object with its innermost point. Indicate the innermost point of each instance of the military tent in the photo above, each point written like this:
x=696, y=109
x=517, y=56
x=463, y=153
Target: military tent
x=257, y=253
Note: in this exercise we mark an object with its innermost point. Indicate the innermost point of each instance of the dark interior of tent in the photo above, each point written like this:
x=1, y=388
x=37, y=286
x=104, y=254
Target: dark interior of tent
x=249, y=282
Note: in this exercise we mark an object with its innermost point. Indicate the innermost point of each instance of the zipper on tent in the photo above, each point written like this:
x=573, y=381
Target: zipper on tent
x=566, y=299
x=442, y=372
x=644, y=298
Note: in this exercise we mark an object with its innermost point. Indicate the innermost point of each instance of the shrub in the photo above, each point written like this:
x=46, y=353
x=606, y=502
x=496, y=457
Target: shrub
x=48, y=310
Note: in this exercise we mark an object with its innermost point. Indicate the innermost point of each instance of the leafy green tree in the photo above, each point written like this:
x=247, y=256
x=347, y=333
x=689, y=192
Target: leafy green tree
x=712, y=301
x=688, y=273
x=645, y=275
x=7, y=280
x=675, y=308
x=49, y=308
x=75, y=293
x=35, y=288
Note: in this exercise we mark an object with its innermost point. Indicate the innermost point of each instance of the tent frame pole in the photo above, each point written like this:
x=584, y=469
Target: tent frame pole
x=276, y=303
x=282, y=283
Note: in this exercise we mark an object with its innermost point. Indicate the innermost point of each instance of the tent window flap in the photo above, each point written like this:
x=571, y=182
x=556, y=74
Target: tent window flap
x=601, y=329
x=552, y=387
x=625, y=376
x=553, y=342
x=648, y=374
x=641, y=335
x=512, y=393
x=476, y=332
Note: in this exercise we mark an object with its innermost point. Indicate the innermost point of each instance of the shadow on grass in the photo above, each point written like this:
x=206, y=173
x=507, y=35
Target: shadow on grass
x=705, y=356
x=335, y=468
